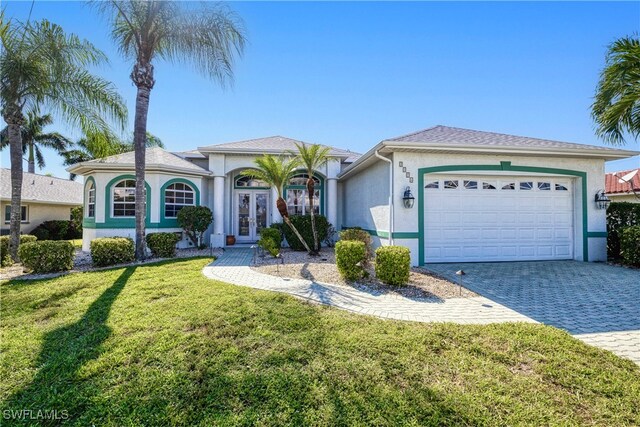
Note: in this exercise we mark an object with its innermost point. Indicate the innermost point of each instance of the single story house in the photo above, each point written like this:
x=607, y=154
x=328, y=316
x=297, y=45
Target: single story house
x=623, y=186
x=448, y=194
x=44, y=198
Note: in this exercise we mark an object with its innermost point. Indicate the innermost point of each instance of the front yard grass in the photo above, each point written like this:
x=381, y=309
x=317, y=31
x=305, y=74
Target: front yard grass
x=160, y=344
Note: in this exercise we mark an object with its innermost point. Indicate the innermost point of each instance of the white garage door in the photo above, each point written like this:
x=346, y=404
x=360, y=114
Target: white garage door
x=483, y=218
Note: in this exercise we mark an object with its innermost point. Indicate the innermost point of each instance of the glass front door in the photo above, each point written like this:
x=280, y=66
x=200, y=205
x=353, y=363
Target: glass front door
x=252, y=215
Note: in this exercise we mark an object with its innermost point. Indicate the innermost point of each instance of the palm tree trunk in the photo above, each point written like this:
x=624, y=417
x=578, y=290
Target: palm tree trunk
x=282, y=208
x=32, y=160
x=14, y=120
x=142, y=76
x=311, y=192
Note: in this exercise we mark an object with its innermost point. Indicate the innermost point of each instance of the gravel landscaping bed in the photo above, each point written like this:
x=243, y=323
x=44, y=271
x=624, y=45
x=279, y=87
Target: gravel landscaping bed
x=422, y=283
x=83, y=262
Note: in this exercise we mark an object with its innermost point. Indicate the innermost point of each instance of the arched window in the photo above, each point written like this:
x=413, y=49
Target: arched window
x=297, y=198
x=91, y=200
x=243, y=181
x=176, y=197
x=124, y=199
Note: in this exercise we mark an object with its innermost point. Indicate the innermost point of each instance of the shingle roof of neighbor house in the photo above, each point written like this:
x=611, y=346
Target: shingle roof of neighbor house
x=613, y=184
x=156, y=158
x=42, y=189
x=272, y=145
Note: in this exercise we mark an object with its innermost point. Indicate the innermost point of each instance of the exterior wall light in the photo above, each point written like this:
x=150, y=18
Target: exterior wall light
x=408, y=198
x=602, y=201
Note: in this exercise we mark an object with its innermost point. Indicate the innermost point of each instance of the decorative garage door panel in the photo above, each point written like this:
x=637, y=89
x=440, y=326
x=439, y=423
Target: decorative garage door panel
x=497, y=218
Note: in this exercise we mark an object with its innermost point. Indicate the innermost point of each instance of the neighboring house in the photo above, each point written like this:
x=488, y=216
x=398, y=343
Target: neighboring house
x=623, y=186
x=479, y=196
x=44, y=198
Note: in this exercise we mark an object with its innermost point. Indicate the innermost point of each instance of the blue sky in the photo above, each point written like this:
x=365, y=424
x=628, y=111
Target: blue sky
x=352, y=74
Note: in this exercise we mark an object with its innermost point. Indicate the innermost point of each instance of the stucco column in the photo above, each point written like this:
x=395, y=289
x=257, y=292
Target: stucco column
x=217, y=239
x=332, y=201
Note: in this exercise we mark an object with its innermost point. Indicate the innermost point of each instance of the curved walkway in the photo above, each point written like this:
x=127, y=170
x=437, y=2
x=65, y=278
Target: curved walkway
x=233, y=267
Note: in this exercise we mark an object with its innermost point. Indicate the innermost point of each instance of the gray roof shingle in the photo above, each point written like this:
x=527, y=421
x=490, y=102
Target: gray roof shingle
x=42, y=189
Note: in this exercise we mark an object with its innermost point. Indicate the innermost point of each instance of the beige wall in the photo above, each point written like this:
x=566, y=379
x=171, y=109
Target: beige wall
x=623, y=198
x=37, y=214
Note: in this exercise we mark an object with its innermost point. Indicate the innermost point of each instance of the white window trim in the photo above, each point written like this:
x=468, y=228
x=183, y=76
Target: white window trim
x=92, y=188
x=26, y=216
x=193, y=193
x=113, y=199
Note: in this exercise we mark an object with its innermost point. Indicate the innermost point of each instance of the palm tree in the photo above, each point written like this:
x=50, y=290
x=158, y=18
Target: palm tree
x=33, y=139
x=312, y=157
x=40, y=65
x=276, y=171
x=616, y=108
x=208, y=37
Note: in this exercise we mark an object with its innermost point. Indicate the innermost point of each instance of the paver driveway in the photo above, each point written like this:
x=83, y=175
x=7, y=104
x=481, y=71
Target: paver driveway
x=595, y=302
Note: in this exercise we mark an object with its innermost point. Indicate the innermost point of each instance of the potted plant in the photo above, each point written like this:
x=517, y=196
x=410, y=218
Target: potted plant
x=231, y=240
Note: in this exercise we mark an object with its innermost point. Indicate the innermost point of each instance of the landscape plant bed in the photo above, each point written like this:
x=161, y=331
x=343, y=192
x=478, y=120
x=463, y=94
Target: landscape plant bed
x=161, y=345
x=322, y=268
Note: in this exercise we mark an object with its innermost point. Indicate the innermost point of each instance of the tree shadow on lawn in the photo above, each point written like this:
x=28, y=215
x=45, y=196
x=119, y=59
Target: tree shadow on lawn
x=64, y=351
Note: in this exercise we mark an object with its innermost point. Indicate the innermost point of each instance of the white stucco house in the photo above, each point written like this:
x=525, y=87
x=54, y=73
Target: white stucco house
x=44, y=198
x=477, y=196
x=623, y=186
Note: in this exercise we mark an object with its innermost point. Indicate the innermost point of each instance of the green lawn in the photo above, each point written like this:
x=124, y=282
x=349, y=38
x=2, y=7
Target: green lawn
x=162, y=345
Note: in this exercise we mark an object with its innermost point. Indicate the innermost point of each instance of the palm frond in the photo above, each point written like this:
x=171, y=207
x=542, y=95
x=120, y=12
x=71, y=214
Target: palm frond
x=275, y=171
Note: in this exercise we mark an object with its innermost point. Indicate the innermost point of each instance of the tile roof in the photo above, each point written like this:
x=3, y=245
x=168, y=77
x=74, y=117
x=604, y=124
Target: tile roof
x=466, y=137
x=614, y=185
x=273, y=144
x=42, y=188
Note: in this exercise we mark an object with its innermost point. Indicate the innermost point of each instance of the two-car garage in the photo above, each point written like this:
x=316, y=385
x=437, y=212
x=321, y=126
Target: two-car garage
x=471, y=218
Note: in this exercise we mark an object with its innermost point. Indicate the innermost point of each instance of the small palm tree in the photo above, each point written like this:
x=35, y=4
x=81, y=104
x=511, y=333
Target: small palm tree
x=33, y=139
x=312, y=157
x=40, y=65
x=207, y=37
x=616, y=108
x=276, y=171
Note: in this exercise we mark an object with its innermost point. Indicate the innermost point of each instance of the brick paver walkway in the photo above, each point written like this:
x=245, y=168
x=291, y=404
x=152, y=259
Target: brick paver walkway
x=596, y=303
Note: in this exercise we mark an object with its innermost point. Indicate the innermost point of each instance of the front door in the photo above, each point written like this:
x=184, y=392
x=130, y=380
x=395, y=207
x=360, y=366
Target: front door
x=252, y=214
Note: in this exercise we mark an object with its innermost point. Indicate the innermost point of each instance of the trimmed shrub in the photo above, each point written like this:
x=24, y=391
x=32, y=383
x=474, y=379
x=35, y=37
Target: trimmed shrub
x=270, y=241
x=630, y=245
x=57, y=230
x=162, y=245
x=393, y=264
x=77, y=215
x=4, y=247
x=358, y=234
x=112, y=250
x=619, y=216
x=303, y=224
x=195, y=220
x=47, y=256
x=350, y=258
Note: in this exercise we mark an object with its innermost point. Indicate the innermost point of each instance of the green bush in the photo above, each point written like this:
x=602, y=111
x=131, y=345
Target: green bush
x=630, y=245
x=112, y=250
x=47, y=256
x=393, y=264
x=195, y=220
x=358, y=234
x=4, y=247
x=162, y=245
x=57, y=230
x=350, y=258
x=77, y=215
x=619, y=216
x=303, y=224
x=270, y=241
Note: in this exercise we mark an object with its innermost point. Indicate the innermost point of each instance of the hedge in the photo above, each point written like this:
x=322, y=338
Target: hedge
x=350, y=258
x=270, y=241
x=630, y=245
x=162, y=245
x=4, y=247
x=393, y=264
x=47, y=256
x=620, y=215
x=303, y=224
x=57, y=230
x=360, y=235
x=112, y=250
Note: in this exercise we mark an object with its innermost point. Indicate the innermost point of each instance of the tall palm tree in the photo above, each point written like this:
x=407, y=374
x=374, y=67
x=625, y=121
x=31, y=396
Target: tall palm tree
x=312, y=157
x=616, y=108
x=33, y=139
x=207, y=37
x=41, y=65
x=276, y=171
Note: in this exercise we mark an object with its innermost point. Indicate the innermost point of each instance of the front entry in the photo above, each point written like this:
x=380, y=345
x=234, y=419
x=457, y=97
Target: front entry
x=251, y=214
